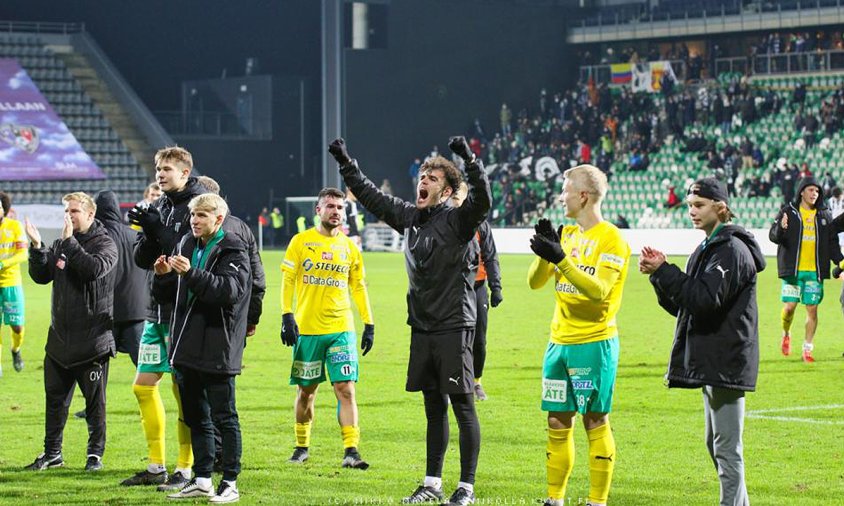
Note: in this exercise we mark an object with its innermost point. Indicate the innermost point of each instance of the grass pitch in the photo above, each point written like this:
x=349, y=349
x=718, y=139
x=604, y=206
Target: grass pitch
x=793, y=432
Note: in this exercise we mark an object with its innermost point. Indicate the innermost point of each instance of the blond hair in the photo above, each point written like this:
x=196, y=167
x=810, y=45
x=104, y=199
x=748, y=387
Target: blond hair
x=209, y=202
x=590, y=179
x=174, y=154
x=84, y=200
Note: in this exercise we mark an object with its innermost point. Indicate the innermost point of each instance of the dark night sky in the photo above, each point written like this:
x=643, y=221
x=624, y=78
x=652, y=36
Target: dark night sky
x=157, y=44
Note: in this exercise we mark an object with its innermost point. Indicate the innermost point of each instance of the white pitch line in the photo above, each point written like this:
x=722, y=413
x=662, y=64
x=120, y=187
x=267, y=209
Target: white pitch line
x=757, y=414
x=797, y=408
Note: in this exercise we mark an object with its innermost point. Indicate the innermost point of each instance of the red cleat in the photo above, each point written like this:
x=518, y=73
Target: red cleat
x=785, y=345
x=807, y=357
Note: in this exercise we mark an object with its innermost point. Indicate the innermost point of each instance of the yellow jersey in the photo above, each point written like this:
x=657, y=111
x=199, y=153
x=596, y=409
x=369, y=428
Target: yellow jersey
x=589, y=283
x=13, y=252
x=808, y=242
x=322, y=272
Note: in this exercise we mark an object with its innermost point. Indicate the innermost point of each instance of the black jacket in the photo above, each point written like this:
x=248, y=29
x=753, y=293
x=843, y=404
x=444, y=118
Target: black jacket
x=716, y=341
x=82, y=271
x=236, y=226
x=175, y=216
x=489, y=256
x=789, y=240
x=441, y=257
x=208, y=330
x=132, y=295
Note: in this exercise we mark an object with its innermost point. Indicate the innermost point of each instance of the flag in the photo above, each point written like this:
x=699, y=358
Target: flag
x=641, y=78
x=621, y=73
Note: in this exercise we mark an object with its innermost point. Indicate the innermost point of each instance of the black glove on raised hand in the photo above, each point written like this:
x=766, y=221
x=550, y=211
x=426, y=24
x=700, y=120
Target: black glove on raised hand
x=289, y=329
x=460, y=147
x=148, y=218
x=368, y=338
x=546, y=242
x=337, y=148
x=836, y=272
x=495, y=298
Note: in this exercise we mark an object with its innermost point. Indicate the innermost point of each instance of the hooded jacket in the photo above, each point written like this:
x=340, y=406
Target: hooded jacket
x=81, y=268
x=208, y=325
x=175, y=217
x=236, y=226
x=789, y=240
x=441, y=257
x=132, y=295
x=716, y=340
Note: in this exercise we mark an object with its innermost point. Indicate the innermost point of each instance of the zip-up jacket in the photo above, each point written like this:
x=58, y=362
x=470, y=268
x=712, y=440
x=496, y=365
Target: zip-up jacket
x=441, y=257
x=208, y=325
x=488, y=269
x=716, y=340
x=133, y=283
x=175, y=215
x=81, y=269
x=789, y=240
x=236, y=226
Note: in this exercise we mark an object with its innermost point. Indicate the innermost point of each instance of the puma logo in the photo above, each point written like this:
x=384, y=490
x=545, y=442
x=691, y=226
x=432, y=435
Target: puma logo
x=722, y=271
x=454, y=380
x=599, y=457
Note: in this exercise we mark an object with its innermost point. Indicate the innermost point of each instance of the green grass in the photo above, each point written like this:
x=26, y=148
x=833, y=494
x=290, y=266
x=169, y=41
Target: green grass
x=659, y=433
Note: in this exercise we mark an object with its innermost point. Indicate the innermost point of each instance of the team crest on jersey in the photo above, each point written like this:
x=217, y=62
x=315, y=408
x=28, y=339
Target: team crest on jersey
x=327, y=255
x=307, y=264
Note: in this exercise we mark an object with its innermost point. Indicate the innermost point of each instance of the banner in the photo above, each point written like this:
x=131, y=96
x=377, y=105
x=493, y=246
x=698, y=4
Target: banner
x=622, y=73
x=660, y=69
x=641, y=78
x=35, y=144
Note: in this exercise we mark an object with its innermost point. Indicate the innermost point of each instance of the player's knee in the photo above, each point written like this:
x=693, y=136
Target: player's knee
x=345, y=391
x=560, y=420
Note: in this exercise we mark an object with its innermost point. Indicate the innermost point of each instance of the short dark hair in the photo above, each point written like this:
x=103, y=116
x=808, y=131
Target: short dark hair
x=452, y=175
x=330, y=192
x=6, y=201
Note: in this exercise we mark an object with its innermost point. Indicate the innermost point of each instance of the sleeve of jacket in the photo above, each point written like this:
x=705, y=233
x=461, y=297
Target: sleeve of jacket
x=90, y=265
x=476, y=207
x=164, y=287
x=259, y=280
x=395, y=212
x=41, y=264
x=838, y=224
x=661, y=297
x=146, y=251
x=777, y=233
x=833, y=245
x=489, y=256
x=226, y=284
x=707, y=294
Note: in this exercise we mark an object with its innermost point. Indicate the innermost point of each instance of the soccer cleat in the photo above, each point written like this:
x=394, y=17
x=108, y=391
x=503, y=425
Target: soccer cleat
x=225, y=493
x=45, y=461
x=807, y=357
x=424, y=494
x=352, y=460
x=17, y=361
x=785, y=345
x=192, y=489
x=94, y=463
x=553, y=502
x=175, y=481
x=461, y=497
x=145, y=478
x=480, y=395
x=300, y=455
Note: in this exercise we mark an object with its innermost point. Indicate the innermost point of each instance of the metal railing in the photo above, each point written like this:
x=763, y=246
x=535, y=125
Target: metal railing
x=738, y=64
x=210, y=124
x=788, y=63
x=40, y=27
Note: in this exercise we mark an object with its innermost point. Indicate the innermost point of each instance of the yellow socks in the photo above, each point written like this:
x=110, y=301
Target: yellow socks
x=17, y=340
x=183, y=435
x=303, y=434
x=152, y=420
x=787, y=318
x=351, y=436
x=559, y=461
x=601, y=462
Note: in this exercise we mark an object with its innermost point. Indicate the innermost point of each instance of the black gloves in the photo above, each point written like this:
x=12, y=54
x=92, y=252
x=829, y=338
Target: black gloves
x=836, y=272
x=495, y=297
x=289, y=329
x=148, y=218
x=368, y=338
x=337, y=148
x=460, y=147
x=546, y=242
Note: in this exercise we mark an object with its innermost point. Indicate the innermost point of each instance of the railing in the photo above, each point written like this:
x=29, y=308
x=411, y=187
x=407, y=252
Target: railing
x=210, y=124
x=738, y=64
x=603, y=73
x=40, y=27
x=787, y=63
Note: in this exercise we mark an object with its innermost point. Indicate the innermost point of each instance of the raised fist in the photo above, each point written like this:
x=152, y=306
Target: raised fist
x=337, y=148
x=460, y=147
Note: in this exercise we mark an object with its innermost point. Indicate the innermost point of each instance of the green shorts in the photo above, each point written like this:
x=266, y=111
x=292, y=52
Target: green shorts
x=579, y=377
x=152, y=352
x=13, y=307
x=312, y=354
x=804, y=287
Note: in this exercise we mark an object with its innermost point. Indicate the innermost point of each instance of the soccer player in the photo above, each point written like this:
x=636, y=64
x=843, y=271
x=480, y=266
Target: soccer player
x=322, y=267
x=163, y=224
x=13, y=252
x=80, y=264
x=806, y=242
x=487, y=270
x=441, y=262
x=588, y=262
x=716, y=341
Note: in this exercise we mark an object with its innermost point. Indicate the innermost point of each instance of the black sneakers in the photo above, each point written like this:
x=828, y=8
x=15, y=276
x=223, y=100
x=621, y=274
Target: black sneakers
x=424, y=494
x=300, y=455
x=461, y=497
x=45, y=461
x=94, y=463
x=145, y=478
x=175, y=481
x=17, y=361
x=352, y=460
